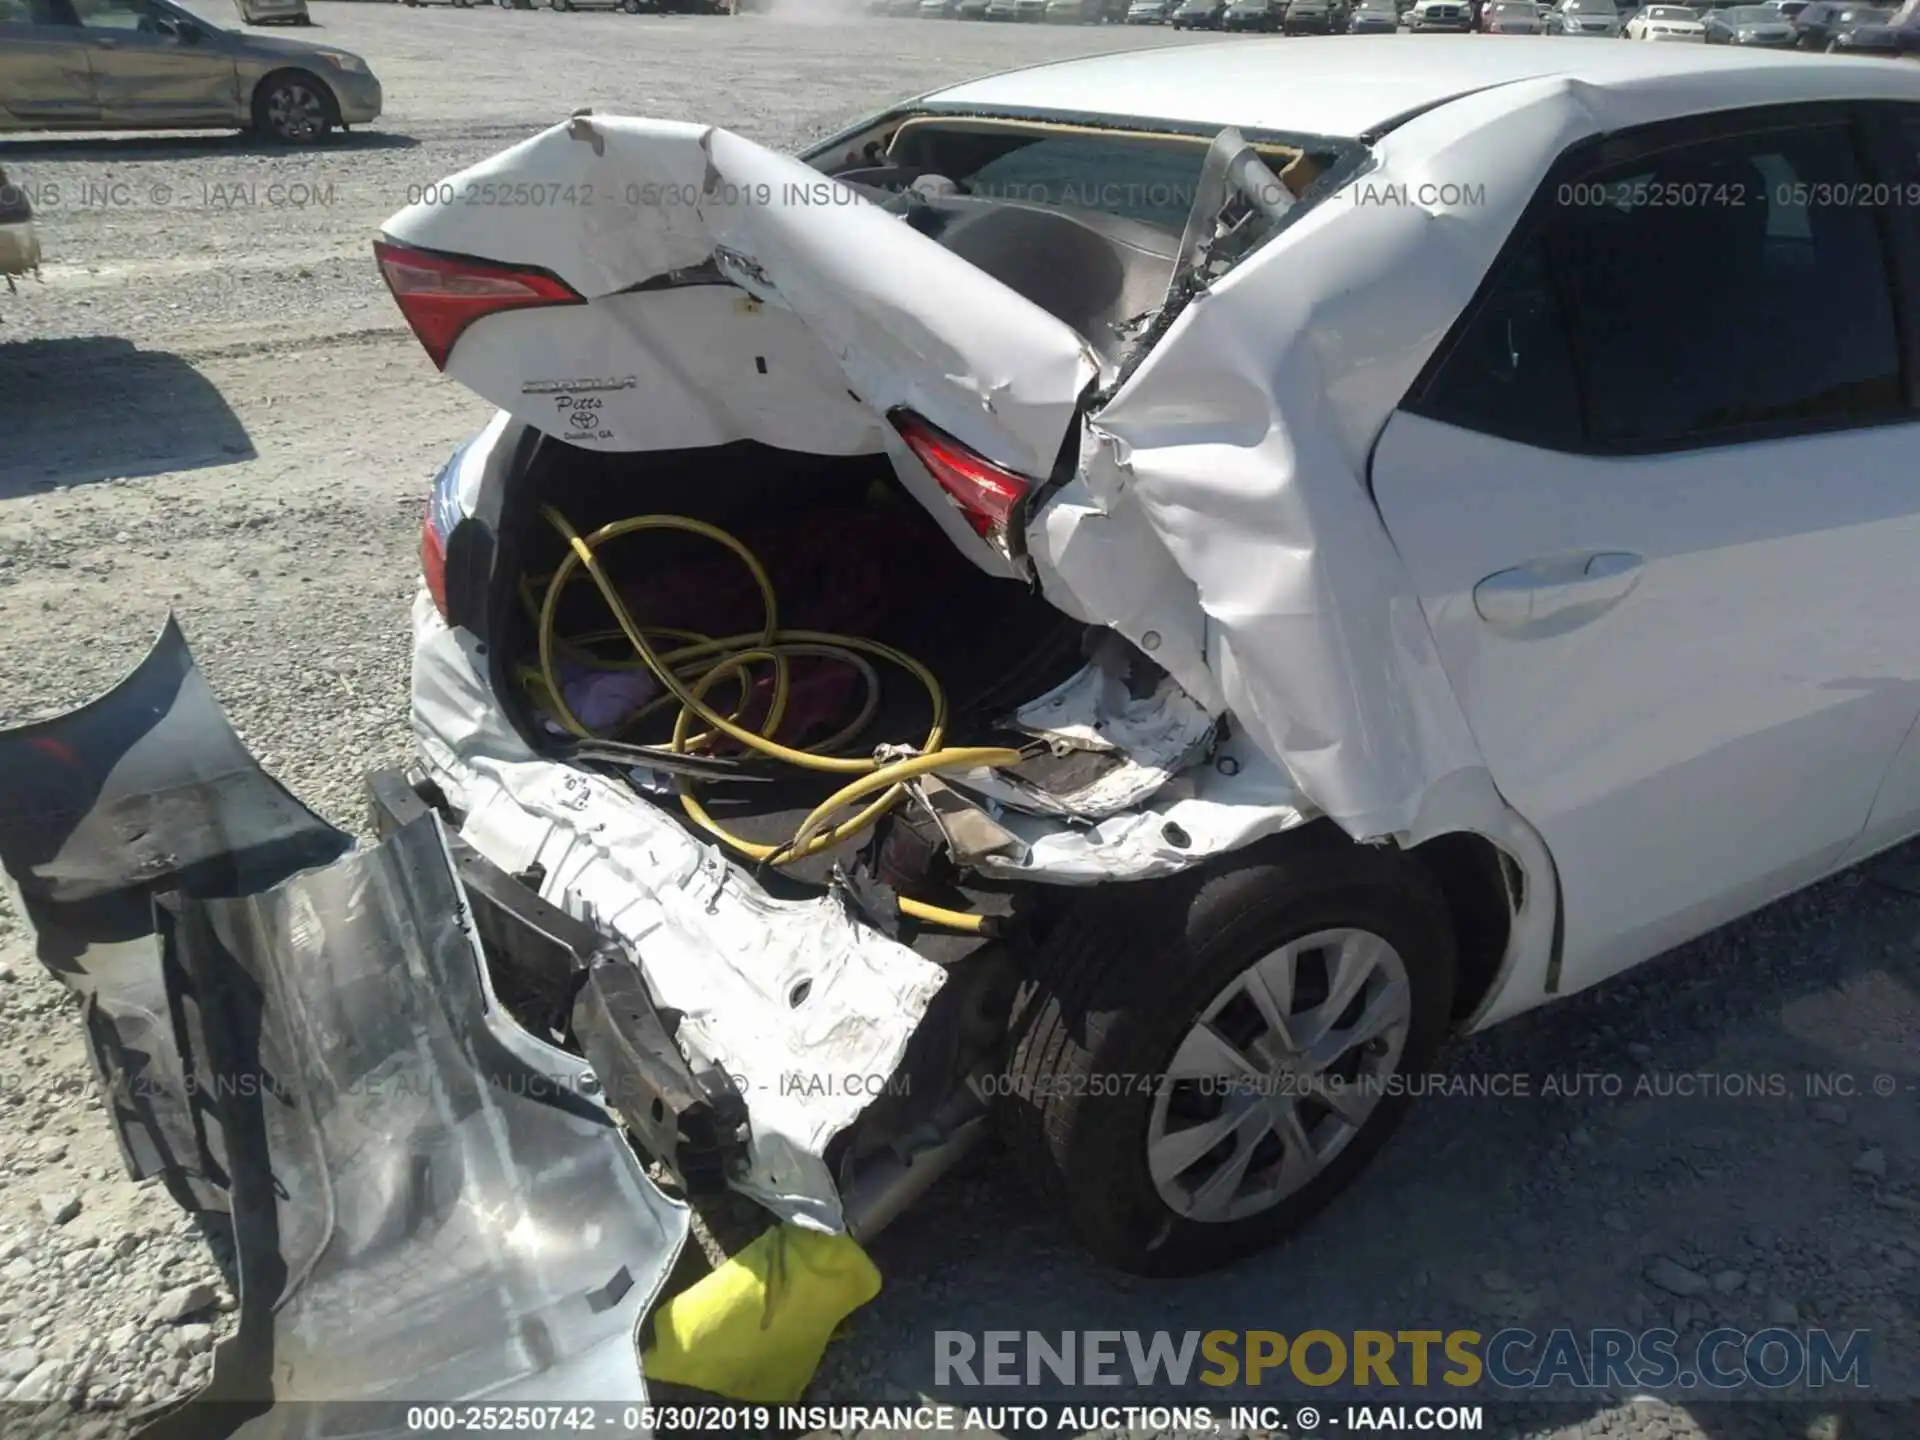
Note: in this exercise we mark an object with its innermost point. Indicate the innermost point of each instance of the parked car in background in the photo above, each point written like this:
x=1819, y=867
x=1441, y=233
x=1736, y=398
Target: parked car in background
x=1759, y=26
x=1667, y=23
x=1374, y=17
x=1592, y=18
x=1308, y=17
x=1890, y=38
x=151, y=65
x=1512, y=17
x=1003, y=9
x=938, y=9
x=1252, y=15
x=19, y=242
x=1790, y=9
x=1850, y=30
x=631, y=7
x=1441, y=15
x=1199, y=14
x=275, y=12
x=1076, y=12
x=972, y=9
x=1151, y=12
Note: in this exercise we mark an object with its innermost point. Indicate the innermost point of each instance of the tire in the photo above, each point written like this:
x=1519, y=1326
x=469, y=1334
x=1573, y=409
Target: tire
x=1123, y=982
x=294, y=108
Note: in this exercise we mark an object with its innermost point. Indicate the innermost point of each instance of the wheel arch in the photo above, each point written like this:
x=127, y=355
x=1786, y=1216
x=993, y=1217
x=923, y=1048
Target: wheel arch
x=291, y=72
x=1503, y=893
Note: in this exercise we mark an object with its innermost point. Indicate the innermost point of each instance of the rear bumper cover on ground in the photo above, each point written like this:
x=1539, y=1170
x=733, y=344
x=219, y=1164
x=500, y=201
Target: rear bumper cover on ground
x=427, y=1202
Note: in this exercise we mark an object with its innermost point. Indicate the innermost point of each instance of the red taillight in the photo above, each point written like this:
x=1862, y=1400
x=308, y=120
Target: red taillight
x=433, y=561
x=986, y=494
x=441, y=295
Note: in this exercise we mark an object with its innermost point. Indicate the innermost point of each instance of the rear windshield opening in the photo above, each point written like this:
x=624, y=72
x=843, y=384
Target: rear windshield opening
x=1151, y=179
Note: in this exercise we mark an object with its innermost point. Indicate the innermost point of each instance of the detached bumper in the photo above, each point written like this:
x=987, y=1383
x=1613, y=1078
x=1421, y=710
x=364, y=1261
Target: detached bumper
x=428, y=1203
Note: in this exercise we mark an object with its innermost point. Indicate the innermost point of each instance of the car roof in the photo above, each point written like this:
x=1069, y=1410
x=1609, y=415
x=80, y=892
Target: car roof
x=1357, y=85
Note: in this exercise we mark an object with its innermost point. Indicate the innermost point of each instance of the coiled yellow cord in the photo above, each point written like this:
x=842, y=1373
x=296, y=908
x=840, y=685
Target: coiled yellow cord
x=689, y=672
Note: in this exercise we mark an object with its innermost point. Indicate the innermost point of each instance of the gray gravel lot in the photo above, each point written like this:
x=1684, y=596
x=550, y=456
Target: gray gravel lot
x=210, y=404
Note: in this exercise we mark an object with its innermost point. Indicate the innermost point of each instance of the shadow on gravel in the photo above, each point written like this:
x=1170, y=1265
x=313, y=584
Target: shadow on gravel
x=1741, y=1108
x=75, y=412
x=188, y=146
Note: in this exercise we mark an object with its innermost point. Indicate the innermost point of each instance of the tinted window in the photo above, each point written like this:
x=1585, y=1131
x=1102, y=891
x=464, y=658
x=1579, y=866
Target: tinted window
x=1706, y=290
x=1510, y=373
x=1697, y=292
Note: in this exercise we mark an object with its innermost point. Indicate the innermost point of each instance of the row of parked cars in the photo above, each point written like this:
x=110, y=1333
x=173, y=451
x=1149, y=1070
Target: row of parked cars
x=1828, y=25
x=1781, y=24
x=1290, y=17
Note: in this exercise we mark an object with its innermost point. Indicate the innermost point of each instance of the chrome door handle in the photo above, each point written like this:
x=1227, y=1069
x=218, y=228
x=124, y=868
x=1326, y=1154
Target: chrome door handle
x=1557, y=592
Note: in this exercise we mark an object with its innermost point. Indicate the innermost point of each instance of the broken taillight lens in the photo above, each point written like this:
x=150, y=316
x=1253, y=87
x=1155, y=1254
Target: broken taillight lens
x=986, y=494
x=433, y=562
x=436, y=529
x=441, y=295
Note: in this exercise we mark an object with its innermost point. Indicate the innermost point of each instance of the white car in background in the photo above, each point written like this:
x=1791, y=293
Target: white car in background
x=1666, y=23
x=1339, y=666
x=1428, y=16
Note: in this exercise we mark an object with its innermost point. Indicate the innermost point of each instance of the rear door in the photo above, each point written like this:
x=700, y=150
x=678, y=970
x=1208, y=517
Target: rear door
x=43, y=65
x=1656, y=495
x=152, y=66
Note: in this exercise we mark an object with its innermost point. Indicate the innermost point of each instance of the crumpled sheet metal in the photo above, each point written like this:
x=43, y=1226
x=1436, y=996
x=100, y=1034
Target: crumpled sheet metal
x=1242, y=443
x=143, y=791
x=427, y=1205
x=712, y=944
x=903, y=321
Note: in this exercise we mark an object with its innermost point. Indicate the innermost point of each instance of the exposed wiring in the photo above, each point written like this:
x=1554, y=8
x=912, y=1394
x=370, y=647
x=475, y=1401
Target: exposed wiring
x=690, y=671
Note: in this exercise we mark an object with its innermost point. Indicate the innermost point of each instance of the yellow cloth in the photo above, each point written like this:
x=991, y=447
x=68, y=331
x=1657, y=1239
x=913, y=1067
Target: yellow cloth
x=755, y=1328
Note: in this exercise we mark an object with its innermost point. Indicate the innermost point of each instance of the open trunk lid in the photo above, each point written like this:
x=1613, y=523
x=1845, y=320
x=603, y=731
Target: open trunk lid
x=662, y=284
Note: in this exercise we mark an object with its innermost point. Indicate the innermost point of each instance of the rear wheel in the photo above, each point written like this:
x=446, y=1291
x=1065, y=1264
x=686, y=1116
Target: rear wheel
x=1204, y=1063
x=294, y=109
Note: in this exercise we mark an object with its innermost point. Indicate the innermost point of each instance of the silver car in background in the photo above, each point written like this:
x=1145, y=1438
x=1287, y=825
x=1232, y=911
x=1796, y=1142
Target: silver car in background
x=1589, y=17
x=273, y=12
x=150, y=65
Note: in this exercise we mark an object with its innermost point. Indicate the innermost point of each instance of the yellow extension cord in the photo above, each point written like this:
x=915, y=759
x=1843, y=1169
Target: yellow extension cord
x=688, y=673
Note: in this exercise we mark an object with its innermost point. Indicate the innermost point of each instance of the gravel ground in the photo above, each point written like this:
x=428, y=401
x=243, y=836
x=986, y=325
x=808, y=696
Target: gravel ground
x=210, y=405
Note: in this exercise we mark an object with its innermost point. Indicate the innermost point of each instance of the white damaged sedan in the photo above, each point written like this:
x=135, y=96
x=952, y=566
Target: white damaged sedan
x=1397, y=640
x=1131, y=600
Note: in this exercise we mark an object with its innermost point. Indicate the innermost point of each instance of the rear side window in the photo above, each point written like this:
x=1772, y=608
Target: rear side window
x=1511, y=371
x=1703, y=293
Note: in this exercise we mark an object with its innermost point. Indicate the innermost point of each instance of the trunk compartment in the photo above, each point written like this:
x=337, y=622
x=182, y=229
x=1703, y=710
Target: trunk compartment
x=848, y=551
